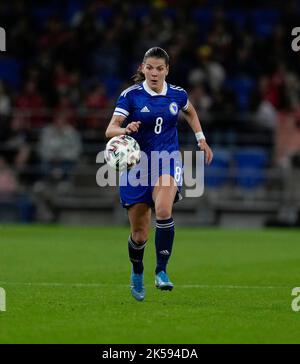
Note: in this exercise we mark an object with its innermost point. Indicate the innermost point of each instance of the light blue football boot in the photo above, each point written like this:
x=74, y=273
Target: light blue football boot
x=137, y=286
x=163, y=282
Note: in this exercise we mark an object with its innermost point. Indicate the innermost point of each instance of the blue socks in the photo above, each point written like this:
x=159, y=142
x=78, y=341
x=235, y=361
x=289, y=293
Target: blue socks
x=164, y=237
x=136, y=255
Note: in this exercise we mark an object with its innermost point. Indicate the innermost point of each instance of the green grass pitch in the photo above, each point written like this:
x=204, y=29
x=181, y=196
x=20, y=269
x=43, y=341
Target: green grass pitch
x=70, y=285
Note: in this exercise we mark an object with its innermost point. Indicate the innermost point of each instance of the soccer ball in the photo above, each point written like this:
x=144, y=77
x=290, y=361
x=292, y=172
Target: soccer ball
x=122, y=152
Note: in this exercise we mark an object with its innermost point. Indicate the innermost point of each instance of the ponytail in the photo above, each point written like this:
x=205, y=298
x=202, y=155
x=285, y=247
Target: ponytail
x=139, y=76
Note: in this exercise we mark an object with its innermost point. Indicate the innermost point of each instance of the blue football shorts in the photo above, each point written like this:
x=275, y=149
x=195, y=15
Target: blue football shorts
x=137, y=184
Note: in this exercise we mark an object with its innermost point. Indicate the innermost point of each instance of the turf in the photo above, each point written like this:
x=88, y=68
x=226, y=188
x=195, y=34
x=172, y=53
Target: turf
x=70, y=285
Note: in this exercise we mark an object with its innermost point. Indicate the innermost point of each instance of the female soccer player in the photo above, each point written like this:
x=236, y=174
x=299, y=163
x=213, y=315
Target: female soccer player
x=150, y=109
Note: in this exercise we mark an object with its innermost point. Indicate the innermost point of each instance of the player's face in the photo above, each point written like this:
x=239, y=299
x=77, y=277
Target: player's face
x=155, y=71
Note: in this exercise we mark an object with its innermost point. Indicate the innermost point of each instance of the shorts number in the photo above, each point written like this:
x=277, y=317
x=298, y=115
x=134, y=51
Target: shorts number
x=177, y=174
x=158, y=125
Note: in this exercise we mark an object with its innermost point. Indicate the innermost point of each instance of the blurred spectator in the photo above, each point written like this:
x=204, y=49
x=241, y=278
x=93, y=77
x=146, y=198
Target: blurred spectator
x=200, y=99
x=220, y=39
x=15, y=204
x=17, y=141
x=287, y=137
x=75, y=91
x=271, y=87
x=59, y=149
x=62, y=80
x=224, y=104
x=269, y=97
x=5, y=102
x=266, y=115
x=292, y=88
x=287, y=157
x=54, y=35
x=208, y=70
x=8, y=181
x=96, y=101
x=65, y=108
x=5, y=110
x=32, y=105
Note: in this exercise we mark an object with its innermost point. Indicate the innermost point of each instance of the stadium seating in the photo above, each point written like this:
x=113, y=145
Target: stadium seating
x=242, y=86
x=250, y=167
x=218, y=173
x=264, y=21
x=10, y=71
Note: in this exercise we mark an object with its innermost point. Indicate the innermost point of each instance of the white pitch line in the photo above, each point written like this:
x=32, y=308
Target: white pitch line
x=229, y=286
x=95, y=285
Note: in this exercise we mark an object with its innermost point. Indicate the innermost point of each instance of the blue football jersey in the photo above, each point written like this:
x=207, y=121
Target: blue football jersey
x=158, y=114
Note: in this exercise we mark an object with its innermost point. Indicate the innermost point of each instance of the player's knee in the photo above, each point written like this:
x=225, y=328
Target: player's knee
x=162, y=213
x=139, y=236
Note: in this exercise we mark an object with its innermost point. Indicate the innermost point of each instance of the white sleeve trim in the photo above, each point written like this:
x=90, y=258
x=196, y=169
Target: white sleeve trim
x=186, y=106
x=122, y=111
x=119, y=114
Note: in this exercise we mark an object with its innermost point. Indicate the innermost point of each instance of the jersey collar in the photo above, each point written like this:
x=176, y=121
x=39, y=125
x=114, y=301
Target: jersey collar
x=153, y=93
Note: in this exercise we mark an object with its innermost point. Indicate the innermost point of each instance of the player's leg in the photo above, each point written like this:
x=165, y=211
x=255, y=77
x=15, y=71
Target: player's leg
x=140, y=220
x=163, y=195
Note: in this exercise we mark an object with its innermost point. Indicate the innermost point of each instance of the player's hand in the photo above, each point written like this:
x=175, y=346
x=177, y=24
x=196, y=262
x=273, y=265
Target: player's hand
x=207, y=151
x=132, y=127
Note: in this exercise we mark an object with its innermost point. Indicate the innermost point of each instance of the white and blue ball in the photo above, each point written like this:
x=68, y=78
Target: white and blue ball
x=122, y=152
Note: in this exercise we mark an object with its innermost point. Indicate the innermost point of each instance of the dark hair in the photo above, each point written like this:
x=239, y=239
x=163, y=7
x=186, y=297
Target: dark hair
x=155, y=52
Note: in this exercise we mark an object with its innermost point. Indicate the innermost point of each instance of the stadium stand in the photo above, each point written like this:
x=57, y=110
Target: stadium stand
x=72, y=58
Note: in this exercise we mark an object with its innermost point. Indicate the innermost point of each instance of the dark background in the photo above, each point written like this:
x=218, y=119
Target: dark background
x=66, y=63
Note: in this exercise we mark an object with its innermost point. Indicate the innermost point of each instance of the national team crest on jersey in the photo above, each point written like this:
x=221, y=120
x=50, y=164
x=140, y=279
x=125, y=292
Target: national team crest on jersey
x=173, y=108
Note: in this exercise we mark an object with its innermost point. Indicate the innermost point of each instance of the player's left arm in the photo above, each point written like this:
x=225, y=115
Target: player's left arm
x=191, y=117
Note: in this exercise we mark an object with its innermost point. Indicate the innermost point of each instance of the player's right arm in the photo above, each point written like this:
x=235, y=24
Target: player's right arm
x=114, y=127
x=121, y=112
